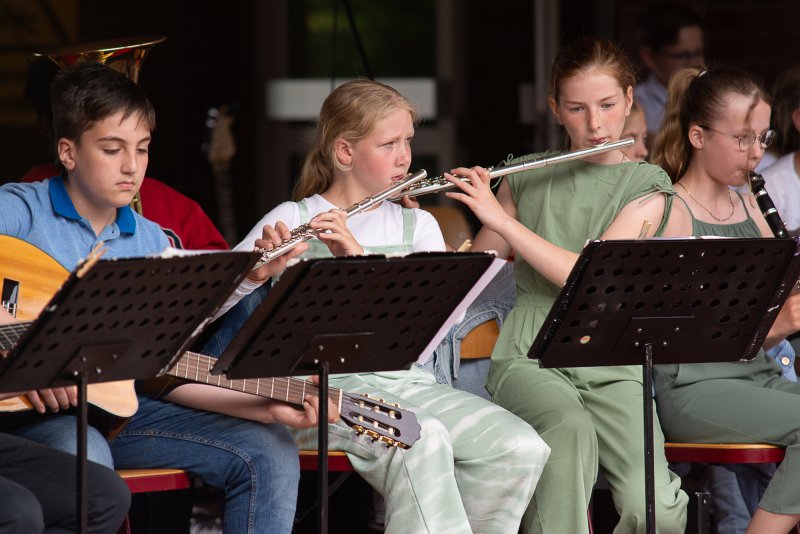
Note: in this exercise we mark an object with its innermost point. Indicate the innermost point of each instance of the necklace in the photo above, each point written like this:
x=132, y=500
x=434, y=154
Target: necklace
x=730, y=199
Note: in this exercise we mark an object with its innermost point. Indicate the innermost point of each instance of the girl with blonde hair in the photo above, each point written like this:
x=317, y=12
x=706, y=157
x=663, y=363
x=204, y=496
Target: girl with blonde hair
x=476, y=465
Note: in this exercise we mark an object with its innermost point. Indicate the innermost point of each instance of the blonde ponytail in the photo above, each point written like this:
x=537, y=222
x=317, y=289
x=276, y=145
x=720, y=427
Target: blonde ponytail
x=671, y=148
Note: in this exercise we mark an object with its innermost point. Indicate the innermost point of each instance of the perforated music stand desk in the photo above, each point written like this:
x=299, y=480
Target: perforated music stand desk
x=675, y=301
x=117, y=320
x=347, y=315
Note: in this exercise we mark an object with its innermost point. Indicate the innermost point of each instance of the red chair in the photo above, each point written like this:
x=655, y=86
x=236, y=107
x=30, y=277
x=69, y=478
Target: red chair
x=150, y=480
x=337, y=461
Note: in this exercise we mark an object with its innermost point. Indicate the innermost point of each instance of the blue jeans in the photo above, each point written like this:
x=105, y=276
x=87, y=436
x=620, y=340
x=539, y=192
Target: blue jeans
x=255, y=464
x=736, y=489
x=494, y=303
x=232, y=321
x=60, y=432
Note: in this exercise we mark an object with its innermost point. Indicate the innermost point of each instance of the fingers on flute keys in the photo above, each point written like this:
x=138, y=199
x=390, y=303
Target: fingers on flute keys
x=476, y=185
x=333, y=231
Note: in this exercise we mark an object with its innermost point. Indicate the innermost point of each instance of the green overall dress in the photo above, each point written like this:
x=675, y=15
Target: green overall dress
x=588, y=416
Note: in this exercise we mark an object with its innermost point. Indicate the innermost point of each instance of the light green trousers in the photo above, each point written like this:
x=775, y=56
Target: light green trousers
x=590, y=417
x=474, y=468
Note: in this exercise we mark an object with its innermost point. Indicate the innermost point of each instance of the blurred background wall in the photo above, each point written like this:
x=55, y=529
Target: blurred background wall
x=476, y=67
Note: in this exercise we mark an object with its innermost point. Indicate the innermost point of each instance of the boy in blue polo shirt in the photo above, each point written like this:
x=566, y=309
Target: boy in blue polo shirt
x=102, y=123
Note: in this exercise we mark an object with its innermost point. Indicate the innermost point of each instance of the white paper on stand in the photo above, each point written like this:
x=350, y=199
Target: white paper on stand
x=458, y=314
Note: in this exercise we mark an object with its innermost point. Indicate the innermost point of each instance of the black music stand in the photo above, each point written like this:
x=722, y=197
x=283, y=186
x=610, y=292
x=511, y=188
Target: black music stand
x=680, y=301
x=118, y=320
x=346, y=315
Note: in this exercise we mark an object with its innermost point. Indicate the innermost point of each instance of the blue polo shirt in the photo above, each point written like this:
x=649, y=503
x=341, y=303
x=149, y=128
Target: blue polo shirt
x=42, y=214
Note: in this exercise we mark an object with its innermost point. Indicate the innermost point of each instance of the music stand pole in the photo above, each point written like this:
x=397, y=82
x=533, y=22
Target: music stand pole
x=649, y=447
x=83, y=477
x=322, y=450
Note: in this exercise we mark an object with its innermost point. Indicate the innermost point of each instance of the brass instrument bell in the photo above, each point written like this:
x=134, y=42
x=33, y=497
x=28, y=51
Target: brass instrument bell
x=124, y=55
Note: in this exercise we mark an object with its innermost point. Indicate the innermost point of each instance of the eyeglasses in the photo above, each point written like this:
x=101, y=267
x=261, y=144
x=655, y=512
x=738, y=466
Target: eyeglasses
x=683, y=57
x=764, y=139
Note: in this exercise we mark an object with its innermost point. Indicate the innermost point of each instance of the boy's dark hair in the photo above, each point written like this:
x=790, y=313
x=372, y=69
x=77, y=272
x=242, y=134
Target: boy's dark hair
x=660, y=24
x=88, y=93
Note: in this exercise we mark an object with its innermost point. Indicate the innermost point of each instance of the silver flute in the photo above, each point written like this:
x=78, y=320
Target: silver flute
x=438, y=184
x=304, y=232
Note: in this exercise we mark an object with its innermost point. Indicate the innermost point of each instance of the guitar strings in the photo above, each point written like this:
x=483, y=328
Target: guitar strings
x=12, y=332
x=197, y=364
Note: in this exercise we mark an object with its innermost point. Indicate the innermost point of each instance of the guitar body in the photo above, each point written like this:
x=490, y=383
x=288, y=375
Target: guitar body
x=115, y=398
x=30, y=278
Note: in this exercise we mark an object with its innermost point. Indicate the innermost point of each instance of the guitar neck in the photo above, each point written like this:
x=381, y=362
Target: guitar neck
x=196, y=367
x=11, y=333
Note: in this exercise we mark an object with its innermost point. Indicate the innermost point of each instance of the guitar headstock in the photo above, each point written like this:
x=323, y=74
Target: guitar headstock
x=219, y=146
x=387, y=423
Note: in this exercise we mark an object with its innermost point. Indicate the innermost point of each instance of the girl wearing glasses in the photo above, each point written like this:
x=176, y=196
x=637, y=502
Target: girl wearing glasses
x=715, y=131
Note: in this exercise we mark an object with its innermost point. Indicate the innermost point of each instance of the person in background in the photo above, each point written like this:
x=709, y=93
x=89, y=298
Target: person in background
x=636, y=129
x=670, y=38
x=783, y=176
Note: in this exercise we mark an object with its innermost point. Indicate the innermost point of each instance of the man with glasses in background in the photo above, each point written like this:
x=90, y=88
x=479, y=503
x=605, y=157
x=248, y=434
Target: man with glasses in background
x=670, y=38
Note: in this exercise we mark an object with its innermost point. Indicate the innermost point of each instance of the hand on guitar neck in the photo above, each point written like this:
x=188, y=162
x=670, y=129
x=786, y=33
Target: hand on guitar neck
x=53, y=399
x=247, y=406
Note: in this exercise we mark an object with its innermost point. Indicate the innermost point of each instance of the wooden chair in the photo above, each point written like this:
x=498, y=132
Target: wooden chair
x=479, y=343
x=453, y=223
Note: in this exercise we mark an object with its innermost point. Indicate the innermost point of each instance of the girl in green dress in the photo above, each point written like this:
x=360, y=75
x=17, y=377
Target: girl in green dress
x=716, y=130
x=588, y=416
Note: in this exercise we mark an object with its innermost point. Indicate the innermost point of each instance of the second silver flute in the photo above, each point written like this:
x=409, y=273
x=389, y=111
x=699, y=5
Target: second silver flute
x=438, y=184
x=304, y=232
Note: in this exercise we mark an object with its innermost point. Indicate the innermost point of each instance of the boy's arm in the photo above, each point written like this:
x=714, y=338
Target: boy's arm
x=252, y=407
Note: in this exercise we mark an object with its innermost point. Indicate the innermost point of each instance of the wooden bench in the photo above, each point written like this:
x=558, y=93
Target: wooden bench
x=151, y=480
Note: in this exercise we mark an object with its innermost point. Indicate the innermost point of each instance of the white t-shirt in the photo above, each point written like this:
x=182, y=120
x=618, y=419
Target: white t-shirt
x=377, y=227
x=783, y=185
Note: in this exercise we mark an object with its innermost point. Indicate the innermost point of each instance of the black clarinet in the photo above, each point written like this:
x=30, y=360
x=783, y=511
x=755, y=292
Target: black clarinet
x=767, y=207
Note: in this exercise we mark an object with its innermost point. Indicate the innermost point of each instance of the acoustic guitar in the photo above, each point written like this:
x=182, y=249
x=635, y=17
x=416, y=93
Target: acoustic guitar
x=30, y=277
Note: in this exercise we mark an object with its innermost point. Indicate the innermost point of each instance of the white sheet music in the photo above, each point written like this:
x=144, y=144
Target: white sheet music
x=458, y=314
